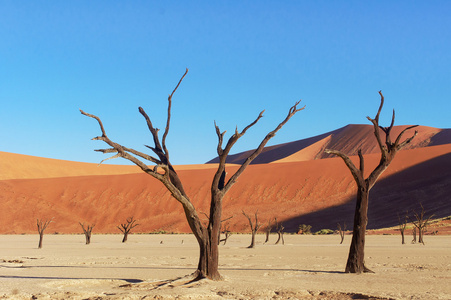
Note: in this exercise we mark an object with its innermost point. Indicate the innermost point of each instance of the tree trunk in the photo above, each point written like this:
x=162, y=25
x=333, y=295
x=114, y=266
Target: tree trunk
x=124, y=239
x=252, y=245
x=356, y=258
x=88, y=238
x=402, y=237
x=208, y=261
x=414, y=235
x=278, y=238
x=420, y=235
x=41, y=236
x=207, y=239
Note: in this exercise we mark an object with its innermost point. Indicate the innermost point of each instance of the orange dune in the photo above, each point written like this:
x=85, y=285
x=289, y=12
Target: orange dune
x=18, y=166
x=315, y=192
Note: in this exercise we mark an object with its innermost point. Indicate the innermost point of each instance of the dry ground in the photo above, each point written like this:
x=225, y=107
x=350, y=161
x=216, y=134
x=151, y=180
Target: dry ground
x=306, y=267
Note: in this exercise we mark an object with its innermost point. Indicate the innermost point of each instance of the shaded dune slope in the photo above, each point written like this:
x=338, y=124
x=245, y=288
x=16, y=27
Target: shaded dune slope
x=316, y=192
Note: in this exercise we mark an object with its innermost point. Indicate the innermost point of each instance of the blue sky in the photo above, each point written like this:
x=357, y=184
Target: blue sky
x=109, y=57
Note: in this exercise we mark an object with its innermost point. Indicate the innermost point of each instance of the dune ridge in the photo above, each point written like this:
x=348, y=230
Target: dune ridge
x=20, y=166
x=348, y=139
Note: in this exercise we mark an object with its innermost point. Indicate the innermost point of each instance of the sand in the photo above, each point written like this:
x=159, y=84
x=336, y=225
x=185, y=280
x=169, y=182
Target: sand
x=306, y=267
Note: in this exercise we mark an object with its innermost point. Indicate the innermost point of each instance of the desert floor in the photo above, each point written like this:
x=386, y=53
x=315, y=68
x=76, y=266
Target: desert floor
x=154, y=266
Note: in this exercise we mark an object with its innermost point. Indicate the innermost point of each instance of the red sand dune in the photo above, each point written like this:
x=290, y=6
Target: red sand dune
x=296, y=190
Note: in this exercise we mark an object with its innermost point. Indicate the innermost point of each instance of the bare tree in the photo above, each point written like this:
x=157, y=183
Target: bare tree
x=421, y=223
x=341, y=231
x=207, y=236
x=402, y=227
x=279, y=228
x=254, y=227
x=87, y=231
x=355, y=263
x=127, y=227
x=268, y=229
x=42, y=225
x=227, y=233
x=414, y=235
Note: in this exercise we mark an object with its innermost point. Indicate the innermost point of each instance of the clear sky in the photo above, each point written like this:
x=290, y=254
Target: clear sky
x=110, y=57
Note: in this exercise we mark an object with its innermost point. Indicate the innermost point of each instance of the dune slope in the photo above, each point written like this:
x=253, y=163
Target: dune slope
x=316, y=192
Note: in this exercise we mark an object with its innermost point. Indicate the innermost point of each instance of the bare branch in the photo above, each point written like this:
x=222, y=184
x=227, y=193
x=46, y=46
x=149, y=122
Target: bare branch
x=407, y=141
x=98, y=121
x=380, y=107
x=112, y=157
x=356, y=173
x=362, y=163
x=226, y=219
x=154, y=131
x=168, y=121
x=220, y=139
x=292, y=111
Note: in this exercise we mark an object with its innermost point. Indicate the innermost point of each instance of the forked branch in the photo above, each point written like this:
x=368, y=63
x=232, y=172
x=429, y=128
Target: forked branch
x=292, y=111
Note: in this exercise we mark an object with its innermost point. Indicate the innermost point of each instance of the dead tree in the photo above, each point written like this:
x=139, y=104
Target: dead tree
x=254, y=227
x=127, y=227
x=279, y=228
x=414, y=235
x=402, y=227
x=420, y=223
x=227, y=233
x=42, y=225
x=87, y=231
x=268, y=229
x=207, y=236
x=341, y=231
x=355, y=263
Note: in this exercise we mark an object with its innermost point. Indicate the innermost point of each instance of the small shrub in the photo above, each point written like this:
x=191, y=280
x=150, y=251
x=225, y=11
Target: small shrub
x=324, y=231
x=305, y=229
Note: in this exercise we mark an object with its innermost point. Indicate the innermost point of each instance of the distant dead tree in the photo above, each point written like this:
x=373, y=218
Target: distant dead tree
x=127, y=227
x=356, y=261
x=402, y=224
x=421, y=223
x=341, y=231
x=254, y=227
x=227, y=233
x=42, y=225
x=207, y=236
x=87, y=231
x=279, y=228
x=268, y=229
x=414, y=235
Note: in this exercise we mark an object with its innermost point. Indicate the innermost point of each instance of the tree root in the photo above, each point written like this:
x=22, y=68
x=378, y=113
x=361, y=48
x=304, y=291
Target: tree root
x=366, y=270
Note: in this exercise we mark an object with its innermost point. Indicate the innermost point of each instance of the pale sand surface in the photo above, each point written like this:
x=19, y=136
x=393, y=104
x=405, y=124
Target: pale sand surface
x=306, y=267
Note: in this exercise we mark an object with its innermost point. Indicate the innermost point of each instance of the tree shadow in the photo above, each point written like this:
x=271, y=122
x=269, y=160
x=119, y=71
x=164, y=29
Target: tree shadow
x=129, y=280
